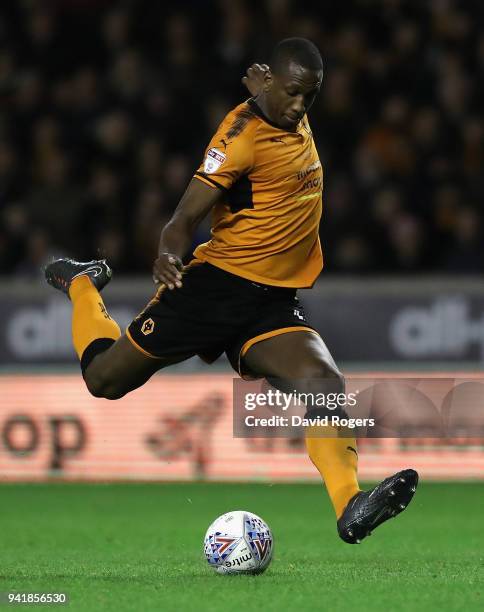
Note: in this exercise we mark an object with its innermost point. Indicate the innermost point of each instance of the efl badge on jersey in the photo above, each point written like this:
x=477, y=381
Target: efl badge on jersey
x=213, y=160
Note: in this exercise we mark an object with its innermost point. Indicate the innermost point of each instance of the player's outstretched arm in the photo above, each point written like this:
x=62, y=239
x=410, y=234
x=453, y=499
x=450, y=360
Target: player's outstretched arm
x=176, y=237
x=254, y=79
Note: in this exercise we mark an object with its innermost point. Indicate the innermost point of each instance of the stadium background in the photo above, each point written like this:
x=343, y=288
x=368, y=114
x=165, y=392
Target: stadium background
x=106, y=108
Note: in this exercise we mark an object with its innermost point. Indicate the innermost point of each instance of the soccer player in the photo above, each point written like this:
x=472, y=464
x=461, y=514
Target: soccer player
x=262, y=179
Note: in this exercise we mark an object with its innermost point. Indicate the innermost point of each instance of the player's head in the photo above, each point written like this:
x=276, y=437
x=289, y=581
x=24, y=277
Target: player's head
x=294, y=80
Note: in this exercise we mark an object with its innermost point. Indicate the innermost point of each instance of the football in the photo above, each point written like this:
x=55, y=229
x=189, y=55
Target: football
x=239, y=542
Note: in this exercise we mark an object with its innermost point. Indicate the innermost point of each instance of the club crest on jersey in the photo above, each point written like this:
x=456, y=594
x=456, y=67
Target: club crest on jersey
x=213, y=160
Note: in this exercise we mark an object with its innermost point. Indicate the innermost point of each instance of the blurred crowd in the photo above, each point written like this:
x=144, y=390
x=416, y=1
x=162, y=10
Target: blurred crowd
x=106, y=108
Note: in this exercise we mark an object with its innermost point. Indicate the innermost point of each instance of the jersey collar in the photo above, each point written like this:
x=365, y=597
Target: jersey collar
x=258, y=111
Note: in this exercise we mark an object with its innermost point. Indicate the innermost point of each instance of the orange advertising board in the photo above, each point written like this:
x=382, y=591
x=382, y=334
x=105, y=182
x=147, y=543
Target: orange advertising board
x=176, y=427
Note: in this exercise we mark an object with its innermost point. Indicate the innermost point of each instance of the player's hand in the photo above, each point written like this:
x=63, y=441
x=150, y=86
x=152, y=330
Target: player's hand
x=254, y=80
x=168, y=269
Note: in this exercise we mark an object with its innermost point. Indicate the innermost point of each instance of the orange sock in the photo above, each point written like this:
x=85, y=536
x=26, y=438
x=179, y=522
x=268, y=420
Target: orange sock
x=90, y=319
x=337, y=461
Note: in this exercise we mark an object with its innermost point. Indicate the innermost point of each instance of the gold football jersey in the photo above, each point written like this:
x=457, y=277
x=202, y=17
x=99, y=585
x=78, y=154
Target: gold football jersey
x=266, y=226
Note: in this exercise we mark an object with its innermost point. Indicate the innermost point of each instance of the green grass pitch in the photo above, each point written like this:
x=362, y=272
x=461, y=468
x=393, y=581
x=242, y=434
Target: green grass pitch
x=139, y=547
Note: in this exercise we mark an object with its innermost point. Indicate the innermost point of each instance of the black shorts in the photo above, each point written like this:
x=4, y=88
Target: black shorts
x=214, y=312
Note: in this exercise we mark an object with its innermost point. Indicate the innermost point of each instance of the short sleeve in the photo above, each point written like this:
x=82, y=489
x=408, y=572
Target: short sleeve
x=227, y=157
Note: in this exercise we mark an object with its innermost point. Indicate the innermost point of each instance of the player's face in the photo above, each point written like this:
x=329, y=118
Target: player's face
x=291, y=94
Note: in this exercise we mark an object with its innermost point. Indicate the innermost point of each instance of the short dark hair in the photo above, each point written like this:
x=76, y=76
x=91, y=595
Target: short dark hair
x=298, y=50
